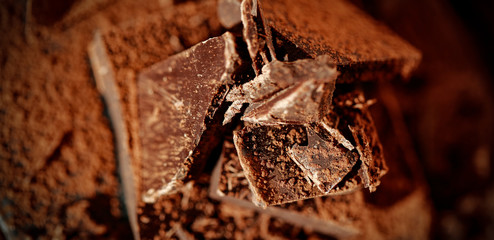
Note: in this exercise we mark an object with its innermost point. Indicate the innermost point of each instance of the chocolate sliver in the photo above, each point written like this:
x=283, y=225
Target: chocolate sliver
x=248, y=10
x=177, y=100
x=105, y=81
x=323, y=161
x=257, y=35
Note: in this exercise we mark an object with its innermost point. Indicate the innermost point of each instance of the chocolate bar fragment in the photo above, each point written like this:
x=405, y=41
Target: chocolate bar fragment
x=178, y=99
x=294, y=92
x=323, y=161
x=229, y=185
x=342, y=153
x=362, y=48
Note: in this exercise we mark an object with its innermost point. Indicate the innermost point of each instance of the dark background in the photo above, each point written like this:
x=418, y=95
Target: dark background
x=448, y=106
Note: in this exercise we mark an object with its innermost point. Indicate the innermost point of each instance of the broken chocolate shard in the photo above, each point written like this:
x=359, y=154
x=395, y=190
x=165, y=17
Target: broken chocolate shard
x=281, y=167
x=362, y=48
x=178, y=98
x=286, y=92
x=323, y=161
x=105, y=82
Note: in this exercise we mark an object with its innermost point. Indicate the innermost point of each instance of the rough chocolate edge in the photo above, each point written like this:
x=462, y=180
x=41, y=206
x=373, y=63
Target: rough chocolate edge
x=327, y=227
x=364, y=71
x=398, y=55
x=105, y=82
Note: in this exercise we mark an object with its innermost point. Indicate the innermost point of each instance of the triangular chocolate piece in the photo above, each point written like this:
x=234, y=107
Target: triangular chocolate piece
x=178, y=98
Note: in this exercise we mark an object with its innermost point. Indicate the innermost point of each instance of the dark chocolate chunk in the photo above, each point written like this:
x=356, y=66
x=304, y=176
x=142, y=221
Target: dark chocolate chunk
x=362, y=48
x=178, y=99
x=286, y=92
x=229, y=185
x=323, y=161
x=279, y=172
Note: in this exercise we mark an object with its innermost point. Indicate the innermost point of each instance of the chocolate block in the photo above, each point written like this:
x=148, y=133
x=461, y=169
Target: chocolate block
x=362, y=48
x=279, y=172
x=229, y=185
x=178, y=99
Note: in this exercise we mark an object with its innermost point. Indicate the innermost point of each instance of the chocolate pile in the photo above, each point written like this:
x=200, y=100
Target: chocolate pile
x=279, y=99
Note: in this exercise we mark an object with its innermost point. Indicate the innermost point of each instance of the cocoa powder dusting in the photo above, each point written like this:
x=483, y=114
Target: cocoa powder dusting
x=59, y=169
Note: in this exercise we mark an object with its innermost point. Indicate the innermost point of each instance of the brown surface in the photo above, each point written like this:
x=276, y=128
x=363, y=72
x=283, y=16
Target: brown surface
x=191, y=213
x=361, y=47
x=45, y=78
x=449, y=107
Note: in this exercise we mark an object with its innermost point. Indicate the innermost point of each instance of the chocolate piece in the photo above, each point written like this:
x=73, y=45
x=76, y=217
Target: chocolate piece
x=279, y=172
x=362, y=48
x=401, y=197
x=178, y=99
x=285, y=92
x=322, y=161
x=229, y=185
x=117, y=54
x=104, y=76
